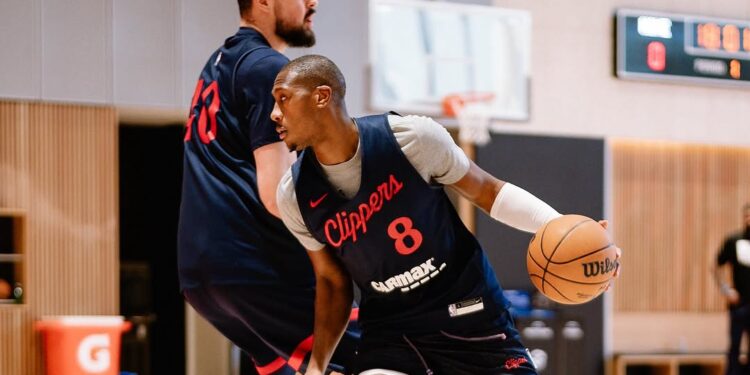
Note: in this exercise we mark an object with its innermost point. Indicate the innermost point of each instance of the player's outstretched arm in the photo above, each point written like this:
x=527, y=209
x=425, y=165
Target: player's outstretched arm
x=333, y=304
x=504, y=201
x=508, y=203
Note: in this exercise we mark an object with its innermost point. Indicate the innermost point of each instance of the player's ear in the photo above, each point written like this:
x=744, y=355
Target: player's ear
x=322, y=96
x=265, y=4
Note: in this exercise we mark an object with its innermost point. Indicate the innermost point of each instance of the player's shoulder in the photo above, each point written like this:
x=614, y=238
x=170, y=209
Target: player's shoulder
x=730, y=241
x=414, y=127
x=285, y=190
x=736, y=236
x=256, y=72
x=262, y=61
x=249, y=48
x=414, y=123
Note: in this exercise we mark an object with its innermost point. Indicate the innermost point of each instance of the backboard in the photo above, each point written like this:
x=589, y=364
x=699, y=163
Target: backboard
x=422, y=51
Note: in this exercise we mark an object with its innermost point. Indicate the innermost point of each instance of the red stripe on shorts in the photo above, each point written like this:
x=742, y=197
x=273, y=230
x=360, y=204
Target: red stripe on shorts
x=271, y=367
x=295, y=360
x=298, y=356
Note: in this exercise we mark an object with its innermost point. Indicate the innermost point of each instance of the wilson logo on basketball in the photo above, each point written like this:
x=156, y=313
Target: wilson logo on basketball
x=592, y=269
x=346, y=225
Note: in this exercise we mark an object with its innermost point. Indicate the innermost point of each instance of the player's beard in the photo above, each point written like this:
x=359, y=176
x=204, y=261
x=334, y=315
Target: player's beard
x=296, y=36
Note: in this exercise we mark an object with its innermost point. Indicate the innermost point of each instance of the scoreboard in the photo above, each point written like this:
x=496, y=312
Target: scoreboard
x=680, y=47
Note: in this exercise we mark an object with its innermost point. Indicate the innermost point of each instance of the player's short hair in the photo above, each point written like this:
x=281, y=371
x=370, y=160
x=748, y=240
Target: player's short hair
x=245, y=6
x=317, y=70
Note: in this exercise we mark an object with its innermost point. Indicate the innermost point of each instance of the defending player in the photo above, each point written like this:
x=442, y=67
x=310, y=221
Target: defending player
x=239, y=267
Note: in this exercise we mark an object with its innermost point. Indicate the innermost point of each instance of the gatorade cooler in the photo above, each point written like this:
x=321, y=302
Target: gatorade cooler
x=82, y=345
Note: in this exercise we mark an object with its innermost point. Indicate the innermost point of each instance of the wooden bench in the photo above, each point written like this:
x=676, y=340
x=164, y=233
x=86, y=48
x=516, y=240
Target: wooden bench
x=669, y=364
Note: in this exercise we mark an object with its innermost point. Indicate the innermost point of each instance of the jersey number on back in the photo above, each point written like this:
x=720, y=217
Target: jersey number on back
x=204, y=98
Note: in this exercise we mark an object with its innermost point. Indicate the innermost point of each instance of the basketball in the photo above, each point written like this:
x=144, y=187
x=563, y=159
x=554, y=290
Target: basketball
x=571, y=259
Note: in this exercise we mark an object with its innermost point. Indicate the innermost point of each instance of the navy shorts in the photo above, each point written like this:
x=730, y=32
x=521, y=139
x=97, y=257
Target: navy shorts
x=272, y=324
x=493, y=351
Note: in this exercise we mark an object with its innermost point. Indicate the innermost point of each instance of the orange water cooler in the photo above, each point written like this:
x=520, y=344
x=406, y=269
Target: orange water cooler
x=82, y=345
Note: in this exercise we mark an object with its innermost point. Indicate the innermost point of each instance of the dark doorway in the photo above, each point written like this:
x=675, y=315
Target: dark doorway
x=150, y=179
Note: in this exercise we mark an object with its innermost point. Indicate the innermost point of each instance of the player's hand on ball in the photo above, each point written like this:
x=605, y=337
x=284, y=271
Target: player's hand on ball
x=605, y=224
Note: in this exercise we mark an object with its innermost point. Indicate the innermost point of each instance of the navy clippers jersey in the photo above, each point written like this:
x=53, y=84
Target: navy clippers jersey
x=401, y=240
x=226, y=236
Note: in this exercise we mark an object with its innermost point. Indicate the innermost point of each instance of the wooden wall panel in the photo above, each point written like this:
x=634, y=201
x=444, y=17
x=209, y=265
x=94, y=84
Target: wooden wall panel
x=672, y=206
x=73, y=176
x=13, y=154
x=16, y=340
x=16, y=335
x=58, y=163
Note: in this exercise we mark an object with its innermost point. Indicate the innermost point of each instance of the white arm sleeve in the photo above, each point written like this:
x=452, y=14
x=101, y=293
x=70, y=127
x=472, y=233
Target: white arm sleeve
x=520, y=209
x=429, y=148
x=286, y=198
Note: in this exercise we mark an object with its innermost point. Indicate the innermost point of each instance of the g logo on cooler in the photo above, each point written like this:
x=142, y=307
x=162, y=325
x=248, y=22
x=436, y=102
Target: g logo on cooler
x=93, y=353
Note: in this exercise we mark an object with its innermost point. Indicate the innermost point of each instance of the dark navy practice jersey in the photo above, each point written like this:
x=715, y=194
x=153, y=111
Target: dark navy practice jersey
x=226, y=236
x=416, y=264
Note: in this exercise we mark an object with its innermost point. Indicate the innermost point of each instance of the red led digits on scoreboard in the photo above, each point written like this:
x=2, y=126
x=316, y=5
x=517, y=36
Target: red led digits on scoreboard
x=656, y=56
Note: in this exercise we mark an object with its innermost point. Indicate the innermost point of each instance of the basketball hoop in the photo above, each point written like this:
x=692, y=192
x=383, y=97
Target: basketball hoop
x=473, y=113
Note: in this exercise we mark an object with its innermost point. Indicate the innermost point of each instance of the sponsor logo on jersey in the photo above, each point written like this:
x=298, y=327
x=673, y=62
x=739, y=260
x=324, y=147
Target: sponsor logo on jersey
x=410, y=279
x=350, y=225
x=315, y=203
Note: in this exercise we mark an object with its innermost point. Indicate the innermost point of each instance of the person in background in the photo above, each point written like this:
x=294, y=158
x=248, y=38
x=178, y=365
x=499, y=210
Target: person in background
x=734, y=258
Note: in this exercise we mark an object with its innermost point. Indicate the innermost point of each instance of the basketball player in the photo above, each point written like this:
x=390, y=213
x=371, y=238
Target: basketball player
x=735, y=256
x=365, y=199
x=239, y=267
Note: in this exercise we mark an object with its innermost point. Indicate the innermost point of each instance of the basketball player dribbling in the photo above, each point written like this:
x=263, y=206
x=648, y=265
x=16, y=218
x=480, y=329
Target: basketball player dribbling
x=365, y=199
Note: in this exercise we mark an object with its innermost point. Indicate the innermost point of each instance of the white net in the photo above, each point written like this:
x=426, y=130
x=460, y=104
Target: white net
x=474, y=122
